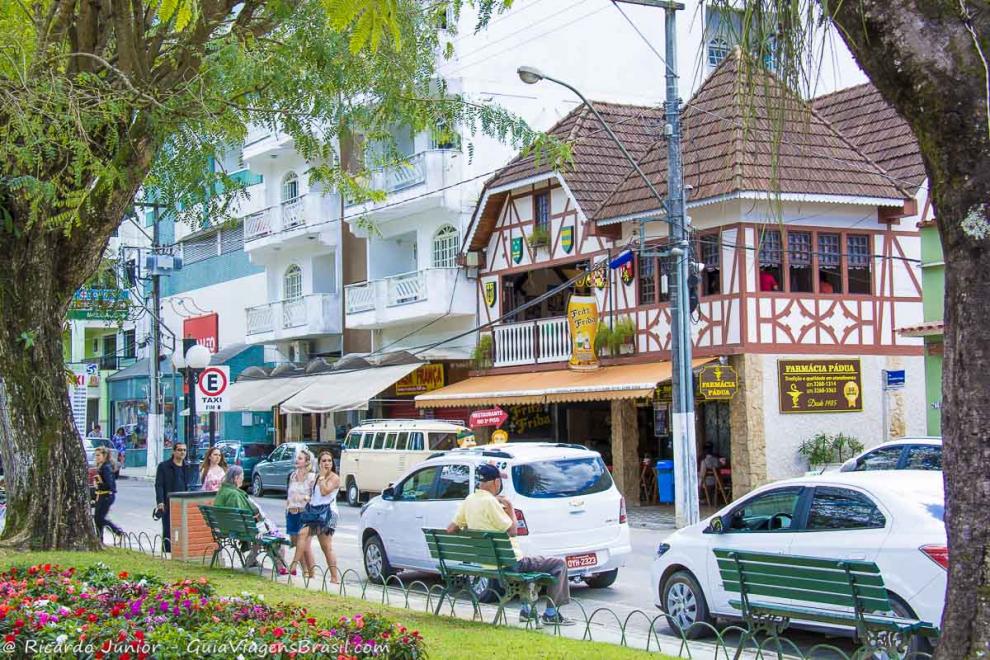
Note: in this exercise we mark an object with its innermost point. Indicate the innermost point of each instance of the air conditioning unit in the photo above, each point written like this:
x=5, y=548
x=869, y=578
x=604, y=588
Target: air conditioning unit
x=299, y=351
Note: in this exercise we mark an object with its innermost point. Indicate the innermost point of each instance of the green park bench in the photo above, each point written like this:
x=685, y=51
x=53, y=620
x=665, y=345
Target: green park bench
x=470, y=554
x=829, y=591
x=231, y=528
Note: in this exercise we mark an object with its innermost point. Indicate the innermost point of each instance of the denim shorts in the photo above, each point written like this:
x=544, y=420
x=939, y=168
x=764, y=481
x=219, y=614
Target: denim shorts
x=293, y=523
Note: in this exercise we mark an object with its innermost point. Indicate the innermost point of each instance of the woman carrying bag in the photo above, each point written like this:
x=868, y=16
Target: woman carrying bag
x=319, y=518
x=106, y=492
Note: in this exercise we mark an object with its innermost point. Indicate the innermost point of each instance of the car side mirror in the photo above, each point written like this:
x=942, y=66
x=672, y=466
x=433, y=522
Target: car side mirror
x=388, y=494
x=848, y=466
x=715, y=526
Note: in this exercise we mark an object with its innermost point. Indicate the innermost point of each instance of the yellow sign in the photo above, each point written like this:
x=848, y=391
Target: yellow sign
x=820, y=386
x=582, y=319
x=427, y=378
x=500, y=437
x=718, y=383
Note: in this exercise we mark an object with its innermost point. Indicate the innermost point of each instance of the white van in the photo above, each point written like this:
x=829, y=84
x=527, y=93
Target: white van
x=379, y=451
x=566, y=503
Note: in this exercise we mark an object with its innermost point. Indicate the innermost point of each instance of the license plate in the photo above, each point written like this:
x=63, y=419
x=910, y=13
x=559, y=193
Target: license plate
x=580, y=561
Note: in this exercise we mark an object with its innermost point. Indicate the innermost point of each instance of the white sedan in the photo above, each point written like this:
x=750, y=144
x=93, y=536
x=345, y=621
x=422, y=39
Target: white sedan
x=893, y=519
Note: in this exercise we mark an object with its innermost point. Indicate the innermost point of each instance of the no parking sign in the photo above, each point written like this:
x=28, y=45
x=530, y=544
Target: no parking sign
x=210, y=389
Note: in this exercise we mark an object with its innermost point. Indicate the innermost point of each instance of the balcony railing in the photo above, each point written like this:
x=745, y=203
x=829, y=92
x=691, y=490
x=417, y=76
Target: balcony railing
x=531, y=342
x=285, y=314
x=406, y=288
x=360, y=297
x=398, y=299
x=274, y=219
x=398, y=177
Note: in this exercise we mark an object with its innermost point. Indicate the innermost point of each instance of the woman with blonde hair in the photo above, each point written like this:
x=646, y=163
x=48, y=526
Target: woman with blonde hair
x=106, y=492
x=300, y=490
x=213, y=470
x=319, y=518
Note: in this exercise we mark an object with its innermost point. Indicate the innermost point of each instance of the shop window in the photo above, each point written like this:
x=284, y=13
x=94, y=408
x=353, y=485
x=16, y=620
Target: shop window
x=771, y=260
x=711, y=256
x=858, y=263
x=829, y=263
x=541, y=211
x=799, y=261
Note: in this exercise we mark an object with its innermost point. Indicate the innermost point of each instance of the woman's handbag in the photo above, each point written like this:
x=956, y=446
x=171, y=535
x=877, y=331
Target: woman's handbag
x=320, y=515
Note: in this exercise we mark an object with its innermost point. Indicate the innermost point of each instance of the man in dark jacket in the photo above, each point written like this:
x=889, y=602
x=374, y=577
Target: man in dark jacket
x=170, y=478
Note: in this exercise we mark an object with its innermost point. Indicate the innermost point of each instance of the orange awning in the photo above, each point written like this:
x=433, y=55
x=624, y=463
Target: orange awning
x=629, y=381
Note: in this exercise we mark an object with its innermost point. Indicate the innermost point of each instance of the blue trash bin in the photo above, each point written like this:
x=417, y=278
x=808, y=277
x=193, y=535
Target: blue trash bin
x=665, y=481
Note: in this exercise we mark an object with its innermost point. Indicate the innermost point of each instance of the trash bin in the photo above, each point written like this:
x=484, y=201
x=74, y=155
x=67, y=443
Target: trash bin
x=665, y=482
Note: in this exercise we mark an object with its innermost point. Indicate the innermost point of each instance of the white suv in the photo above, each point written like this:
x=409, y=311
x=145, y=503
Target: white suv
x=565, y=500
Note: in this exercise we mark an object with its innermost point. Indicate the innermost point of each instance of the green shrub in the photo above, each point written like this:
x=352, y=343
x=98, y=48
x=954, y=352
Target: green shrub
x=482, y=353
x=825, y=448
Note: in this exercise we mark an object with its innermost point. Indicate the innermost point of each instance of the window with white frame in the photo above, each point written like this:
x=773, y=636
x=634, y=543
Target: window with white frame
x=292, y=283
x=290, y=187
x=445, y=243
x=723, y=29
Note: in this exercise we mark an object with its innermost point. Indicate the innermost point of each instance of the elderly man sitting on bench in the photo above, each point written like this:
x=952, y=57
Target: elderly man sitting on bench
x=486, y=510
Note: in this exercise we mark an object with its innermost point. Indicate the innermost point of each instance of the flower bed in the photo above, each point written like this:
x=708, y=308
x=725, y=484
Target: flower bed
x=53, y=612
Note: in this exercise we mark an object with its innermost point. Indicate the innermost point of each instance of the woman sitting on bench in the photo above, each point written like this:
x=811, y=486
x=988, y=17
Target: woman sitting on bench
x=231, y=496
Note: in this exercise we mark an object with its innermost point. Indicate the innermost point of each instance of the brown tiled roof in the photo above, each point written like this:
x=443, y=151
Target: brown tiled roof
x=872, y=124
x=744, y=132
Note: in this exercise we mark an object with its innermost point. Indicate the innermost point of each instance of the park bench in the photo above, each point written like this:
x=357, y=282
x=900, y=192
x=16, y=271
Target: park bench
x=830, y=591
x=233, y=527
x=469, y=554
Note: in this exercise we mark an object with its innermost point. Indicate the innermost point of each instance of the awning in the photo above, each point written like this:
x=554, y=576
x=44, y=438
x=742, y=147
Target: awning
x=631, y=381
x=263, y=394
x=347, y=390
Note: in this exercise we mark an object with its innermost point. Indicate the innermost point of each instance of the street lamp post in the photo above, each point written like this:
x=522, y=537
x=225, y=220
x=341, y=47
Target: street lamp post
x=682, y=375
x=195, y=358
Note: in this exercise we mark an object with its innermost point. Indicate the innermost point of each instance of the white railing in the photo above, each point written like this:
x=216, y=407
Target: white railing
x=292, y=213
x=258, y=224
x=406, y=288
x=294, y=312
x=554, y=337
x=410, y=173
x=546, y=340
x=256, y=133
x=259, y=319
x=360, y=297
x=515, y=344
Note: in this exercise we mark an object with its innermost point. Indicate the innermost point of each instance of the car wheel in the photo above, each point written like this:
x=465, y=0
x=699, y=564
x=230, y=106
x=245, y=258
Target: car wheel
x=685, y=606
x=917, y=646
x=602, y=580
x=486, y=590
x=353, y=494
x=257, y=487
x=376, y=564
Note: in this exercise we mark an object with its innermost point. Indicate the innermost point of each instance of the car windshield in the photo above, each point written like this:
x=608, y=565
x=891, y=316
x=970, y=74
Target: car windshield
x=229, y=452
x=561, y=478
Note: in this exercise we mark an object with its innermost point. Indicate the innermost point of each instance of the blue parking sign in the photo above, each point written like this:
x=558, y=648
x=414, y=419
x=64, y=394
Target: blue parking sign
x=893, y=379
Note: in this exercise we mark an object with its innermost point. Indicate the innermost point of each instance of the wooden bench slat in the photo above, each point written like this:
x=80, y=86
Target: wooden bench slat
x=865, y=579
x=800, y=561
x=819, y=586
x=806, y=596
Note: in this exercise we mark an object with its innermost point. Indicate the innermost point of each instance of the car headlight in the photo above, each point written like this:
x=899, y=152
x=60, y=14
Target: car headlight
x=662, y=549
x=365, y=506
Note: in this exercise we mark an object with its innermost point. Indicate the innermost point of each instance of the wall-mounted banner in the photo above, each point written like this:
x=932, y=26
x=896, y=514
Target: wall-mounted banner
x=567, y=239
x=517, y=248
x=820, y=386
x=582, y=319
x=491, y=293
x=427, y=378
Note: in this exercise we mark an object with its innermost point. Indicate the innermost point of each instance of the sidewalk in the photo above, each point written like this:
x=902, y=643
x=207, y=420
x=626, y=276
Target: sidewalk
x=136, y=473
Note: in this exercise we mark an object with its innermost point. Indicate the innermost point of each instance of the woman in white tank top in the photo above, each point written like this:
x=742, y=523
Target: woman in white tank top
x=324, y=495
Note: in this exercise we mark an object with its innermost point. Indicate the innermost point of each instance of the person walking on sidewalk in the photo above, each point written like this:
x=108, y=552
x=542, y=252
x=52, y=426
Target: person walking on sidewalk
x=319, y=518
x=486, y=510
x=213, y=469
x=302, y=481
x=170, y=478
x=106, y=492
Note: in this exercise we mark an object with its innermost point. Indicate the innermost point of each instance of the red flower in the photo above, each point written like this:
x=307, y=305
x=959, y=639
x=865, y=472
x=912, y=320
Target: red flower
x=32, y=570
x=98, y=655
x=9, y=638
x=92, y=618
x=124, y=656
x=48, y=568
x=415, y=633
x=311, y=621
x=278, y=632
x=123, y=575
x=139, y=635
x=19, y=623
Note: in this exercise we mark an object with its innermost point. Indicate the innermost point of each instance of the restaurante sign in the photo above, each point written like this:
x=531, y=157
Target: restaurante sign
x=820, y=386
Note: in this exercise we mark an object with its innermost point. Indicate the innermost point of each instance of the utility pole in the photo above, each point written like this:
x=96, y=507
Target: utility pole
x=682, y=374
x=155, y=435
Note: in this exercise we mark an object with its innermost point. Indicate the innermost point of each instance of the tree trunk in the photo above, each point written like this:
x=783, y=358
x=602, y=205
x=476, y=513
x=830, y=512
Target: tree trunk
x=966, y=443
x=44, y=462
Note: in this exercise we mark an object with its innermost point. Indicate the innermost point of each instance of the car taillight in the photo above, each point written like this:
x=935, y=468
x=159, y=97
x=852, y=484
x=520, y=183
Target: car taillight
x=622, y=510
x=938, y=554
x=522, y=529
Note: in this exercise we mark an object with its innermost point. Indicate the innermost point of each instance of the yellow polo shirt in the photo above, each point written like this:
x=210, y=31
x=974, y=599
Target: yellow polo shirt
x=481, y=512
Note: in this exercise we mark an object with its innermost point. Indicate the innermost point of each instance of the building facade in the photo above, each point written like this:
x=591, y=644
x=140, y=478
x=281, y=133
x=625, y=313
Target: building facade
x=807, y=275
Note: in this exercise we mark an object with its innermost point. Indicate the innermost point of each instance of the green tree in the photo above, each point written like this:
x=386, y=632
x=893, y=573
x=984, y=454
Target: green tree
x=929, y=60
x=101, y=97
